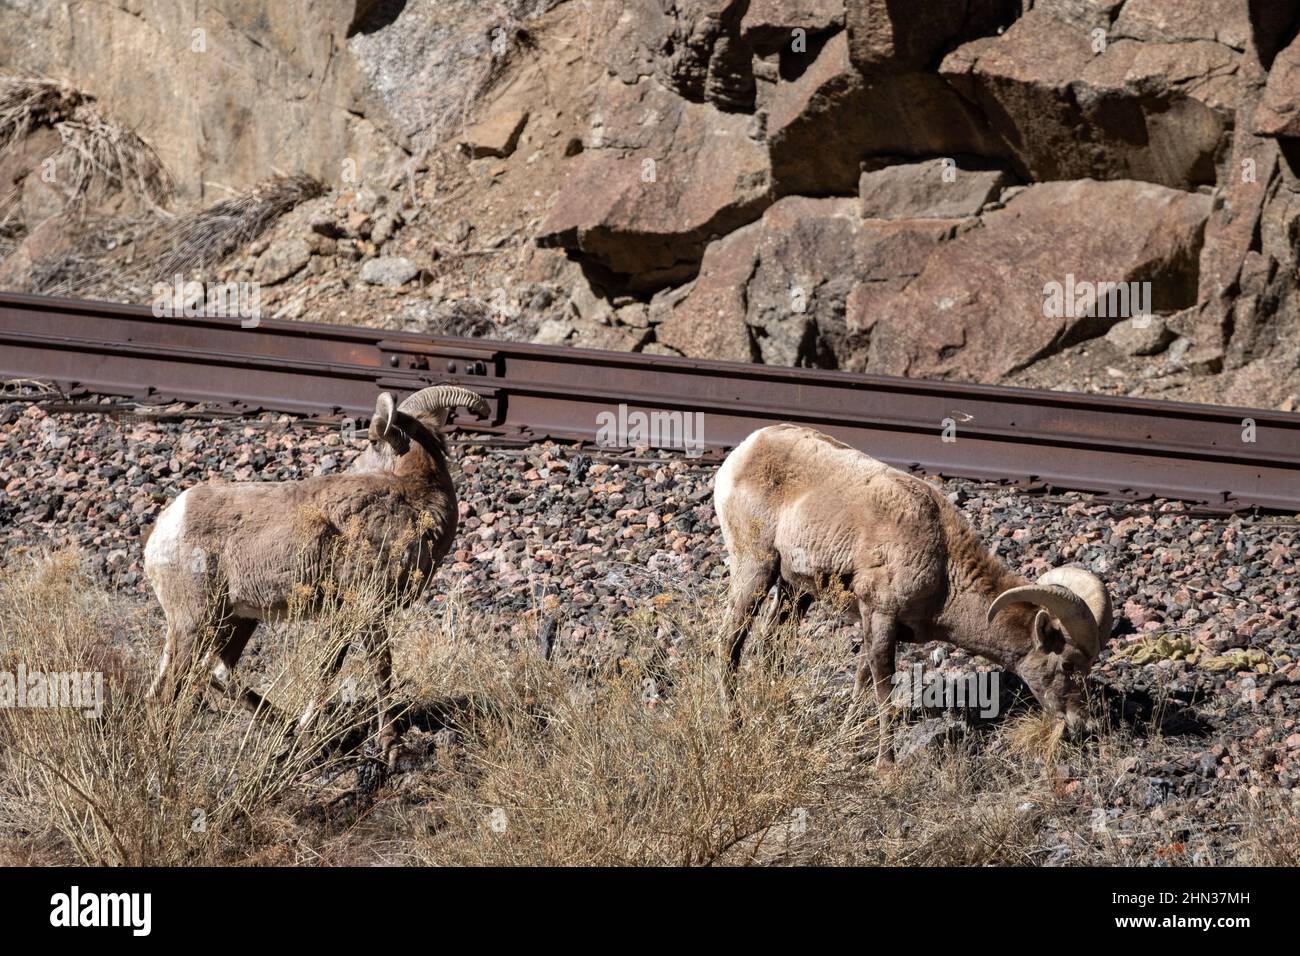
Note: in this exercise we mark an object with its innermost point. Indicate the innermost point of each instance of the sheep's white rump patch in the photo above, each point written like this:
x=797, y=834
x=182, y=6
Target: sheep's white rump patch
x=723, y=478
x=164, y=545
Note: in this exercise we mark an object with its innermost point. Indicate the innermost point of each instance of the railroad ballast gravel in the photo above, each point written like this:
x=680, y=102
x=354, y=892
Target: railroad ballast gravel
x=1207, y=607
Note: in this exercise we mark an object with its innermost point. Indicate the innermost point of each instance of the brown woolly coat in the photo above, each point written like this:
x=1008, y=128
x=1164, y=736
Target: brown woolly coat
x=254, y=546
x=834, y=518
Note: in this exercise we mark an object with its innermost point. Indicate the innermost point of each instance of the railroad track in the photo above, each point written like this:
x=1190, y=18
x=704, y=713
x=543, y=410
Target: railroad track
x=1118, y=447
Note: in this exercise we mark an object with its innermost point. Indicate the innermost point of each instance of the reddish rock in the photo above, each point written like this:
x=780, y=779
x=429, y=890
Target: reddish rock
x=666, y=177
x=976, y=311
x=710, y=320
x=1278, y=113
x=790, y=289
x=693, y=47
x=822, y=124
x=495, y=136
x=1067, y=107
x=1231, y=233
x=931, y=189
x=1171, y=21
x=889, y=35
x=769, y=25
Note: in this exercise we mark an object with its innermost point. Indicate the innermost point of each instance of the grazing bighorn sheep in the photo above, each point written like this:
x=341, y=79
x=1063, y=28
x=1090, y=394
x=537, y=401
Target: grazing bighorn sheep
x=227, y=556
x=801, y=510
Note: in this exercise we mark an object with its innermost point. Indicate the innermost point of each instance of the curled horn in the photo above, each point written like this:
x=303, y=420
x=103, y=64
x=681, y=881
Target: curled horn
x=1089, y=587
x=1069, y=608
x=382, y=427
x=438, y=397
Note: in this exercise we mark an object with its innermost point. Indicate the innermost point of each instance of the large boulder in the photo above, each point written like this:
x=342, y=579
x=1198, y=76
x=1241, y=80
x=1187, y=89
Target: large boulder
x=980, y=309
x=903, y=35
x=1278, y=113
x=225, y=91
x=1071, y=103
x=693, y=47
x=780, y=290
x=929, y=189
x=1082, y=14
x=1231, y=235
x=709, y=321
x=1224, y=21
x=769, y=25
x=824, y=122
x=665, y=177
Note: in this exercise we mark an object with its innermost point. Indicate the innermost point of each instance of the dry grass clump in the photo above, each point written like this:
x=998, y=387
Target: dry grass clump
x=139, y=784
x=103, y=156
x=199, y=241
x=98, y=156
x=1271, y=831
x=92, y=256
x=643, y=767
x=27, y=104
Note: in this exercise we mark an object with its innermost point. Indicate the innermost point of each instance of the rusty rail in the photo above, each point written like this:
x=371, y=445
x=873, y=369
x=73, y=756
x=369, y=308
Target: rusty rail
x=1114, y=446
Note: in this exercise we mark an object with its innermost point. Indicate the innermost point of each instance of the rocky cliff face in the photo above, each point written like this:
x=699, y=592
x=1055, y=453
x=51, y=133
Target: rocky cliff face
x=996, y=151
x=935, y=189
x=224, y=90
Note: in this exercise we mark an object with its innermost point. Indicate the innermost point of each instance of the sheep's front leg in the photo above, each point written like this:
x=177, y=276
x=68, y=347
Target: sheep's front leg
x=750, y=582
x=878, y=646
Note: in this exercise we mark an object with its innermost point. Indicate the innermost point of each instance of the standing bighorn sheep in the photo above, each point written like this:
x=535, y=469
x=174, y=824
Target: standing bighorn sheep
x=801, y=510
x=226, y=556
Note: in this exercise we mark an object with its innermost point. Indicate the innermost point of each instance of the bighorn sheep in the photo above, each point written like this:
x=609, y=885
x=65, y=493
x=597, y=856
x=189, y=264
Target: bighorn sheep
x=803, y=511
x=227, y=556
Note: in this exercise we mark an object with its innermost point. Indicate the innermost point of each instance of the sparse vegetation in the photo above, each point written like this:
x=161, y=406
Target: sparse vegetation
x=140, y=785
x=98, y=155
x=197, y=242
x=513, y=757
x=27, y=103
x=102, y=155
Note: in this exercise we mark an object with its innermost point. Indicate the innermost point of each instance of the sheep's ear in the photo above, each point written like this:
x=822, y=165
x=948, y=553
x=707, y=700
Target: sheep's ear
x=1046, y=637
x=385, y=427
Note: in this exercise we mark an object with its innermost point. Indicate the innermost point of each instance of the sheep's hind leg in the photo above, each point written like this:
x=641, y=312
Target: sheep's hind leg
x=750, y=581
x=183, y=642
x=878, y=646
x=232, y=638
x=167, y=685
x=382, y=656
x=789, y=608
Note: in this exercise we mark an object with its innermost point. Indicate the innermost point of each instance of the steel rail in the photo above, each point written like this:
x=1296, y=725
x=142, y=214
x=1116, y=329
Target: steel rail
x=1217, y=457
